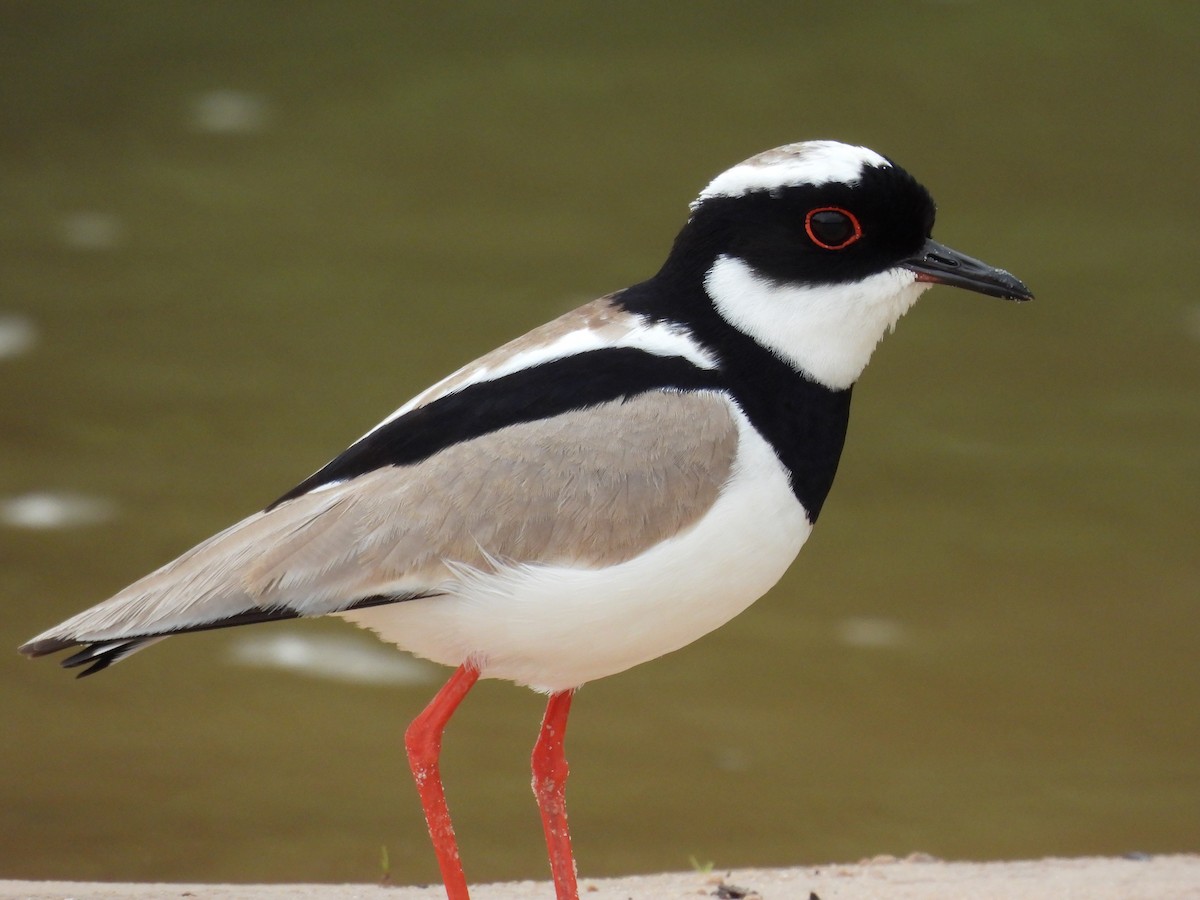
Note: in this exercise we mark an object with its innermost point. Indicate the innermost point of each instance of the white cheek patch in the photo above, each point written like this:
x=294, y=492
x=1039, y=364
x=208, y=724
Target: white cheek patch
x=826, y=331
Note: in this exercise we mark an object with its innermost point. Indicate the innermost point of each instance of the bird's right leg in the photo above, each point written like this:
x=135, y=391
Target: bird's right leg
x=549, y=786
x=423, y=740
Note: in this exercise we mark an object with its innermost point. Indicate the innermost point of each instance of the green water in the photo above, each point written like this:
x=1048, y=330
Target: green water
x=408, y=186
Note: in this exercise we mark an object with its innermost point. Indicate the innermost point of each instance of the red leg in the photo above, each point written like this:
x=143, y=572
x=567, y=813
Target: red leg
x=423, y=739
x=549, y=786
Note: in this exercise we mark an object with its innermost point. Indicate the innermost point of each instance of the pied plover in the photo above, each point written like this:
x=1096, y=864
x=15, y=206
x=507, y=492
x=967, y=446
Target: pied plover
x=601, y=491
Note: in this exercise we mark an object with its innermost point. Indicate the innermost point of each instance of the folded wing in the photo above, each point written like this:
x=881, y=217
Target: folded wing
x=587, y=487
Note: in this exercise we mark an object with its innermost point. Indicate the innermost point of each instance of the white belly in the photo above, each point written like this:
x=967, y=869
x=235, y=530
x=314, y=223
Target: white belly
x=556, y=627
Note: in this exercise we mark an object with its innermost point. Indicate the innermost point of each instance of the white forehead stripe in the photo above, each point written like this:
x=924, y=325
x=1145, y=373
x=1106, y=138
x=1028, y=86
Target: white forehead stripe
x=810, y=162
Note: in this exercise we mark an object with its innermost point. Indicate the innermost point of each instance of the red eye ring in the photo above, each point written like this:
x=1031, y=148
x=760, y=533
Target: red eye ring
x=826, y=244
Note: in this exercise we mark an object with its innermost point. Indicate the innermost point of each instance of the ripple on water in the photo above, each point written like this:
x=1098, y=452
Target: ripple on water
x=229, y=112
x=1191, y=319
x=871, y=632
x=18, y=334
x=44, y=510
x=92, y=230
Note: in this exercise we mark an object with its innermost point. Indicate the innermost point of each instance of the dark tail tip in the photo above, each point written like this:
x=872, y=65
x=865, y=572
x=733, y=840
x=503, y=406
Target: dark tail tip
x=45, y=647
x=96, y=655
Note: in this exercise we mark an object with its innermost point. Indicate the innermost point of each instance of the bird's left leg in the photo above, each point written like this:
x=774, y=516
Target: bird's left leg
x=549, y=786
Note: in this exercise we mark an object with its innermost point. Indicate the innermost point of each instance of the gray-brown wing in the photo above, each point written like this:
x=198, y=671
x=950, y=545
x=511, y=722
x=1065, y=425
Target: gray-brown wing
x=590, y=488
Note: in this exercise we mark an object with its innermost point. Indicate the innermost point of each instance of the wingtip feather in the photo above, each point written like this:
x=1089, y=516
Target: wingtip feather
x=99, y=654
x=45, y=646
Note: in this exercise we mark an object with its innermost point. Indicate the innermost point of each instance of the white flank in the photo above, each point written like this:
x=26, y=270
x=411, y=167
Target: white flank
x=827, y=331
x=538, y=625
x=810, y=162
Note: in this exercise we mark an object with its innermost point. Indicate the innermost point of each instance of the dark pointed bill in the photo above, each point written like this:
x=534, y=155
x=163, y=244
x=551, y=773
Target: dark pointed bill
x=938, y=264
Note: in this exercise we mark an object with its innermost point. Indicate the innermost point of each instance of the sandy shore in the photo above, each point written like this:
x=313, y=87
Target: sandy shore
x=915, y=878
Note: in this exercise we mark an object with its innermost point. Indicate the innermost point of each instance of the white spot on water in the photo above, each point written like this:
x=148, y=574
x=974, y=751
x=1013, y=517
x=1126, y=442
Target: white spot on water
x=17, y=335
x=868, y=632
x=41, y=510
x=1191, y=321
x=337, y=658
x=229, y=112
x=91, y=230
x=731, y=759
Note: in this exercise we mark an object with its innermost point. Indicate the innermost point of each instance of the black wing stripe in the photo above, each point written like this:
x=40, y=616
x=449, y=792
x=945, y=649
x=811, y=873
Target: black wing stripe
x=540, y=392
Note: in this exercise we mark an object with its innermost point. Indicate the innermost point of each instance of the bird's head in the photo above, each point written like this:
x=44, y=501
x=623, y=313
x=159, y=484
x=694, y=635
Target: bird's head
x=816, y=249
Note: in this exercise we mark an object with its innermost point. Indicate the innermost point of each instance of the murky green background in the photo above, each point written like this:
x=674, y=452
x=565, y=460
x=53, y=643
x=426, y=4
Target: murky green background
x=1015, y=519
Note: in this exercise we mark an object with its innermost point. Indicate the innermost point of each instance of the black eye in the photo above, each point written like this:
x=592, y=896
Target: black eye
x=832, y=228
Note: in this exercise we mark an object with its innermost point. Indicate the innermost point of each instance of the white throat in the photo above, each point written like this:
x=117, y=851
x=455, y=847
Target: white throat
x=826, y=331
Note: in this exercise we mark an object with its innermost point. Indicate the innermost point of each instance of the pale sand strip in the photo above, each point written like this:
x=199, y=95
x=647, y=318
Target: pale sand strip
x=916, y=878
